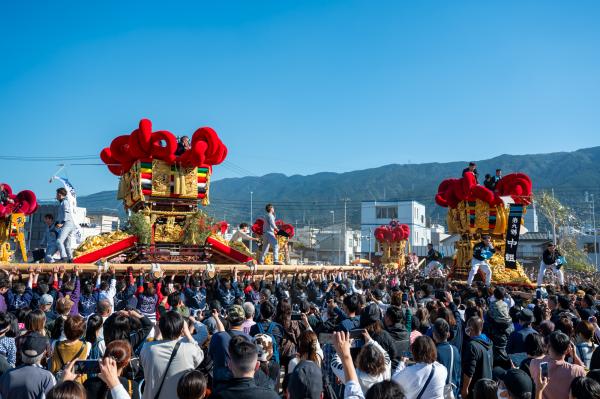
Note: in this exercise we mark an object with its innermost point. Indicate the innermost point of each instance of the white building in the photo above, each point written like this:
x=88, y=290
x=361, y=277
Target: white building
x=329, y=245
x=376, y=213
x=438, y=234
x=97, y=223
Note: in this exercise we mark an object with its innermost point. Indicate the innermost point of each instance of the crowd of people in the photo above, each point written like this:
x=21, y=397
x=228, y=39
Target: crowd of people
x=331, y=334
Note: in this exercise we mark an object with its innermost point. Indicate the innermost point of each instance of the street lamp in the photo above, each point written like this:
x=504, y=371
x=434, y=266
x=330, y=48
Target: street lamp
x=332, y=224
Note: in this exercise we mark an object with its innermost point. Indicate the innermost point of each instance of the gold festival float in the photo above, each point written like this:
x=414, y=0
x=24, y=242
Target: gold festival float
x=392, y=242
x=474, y=211
x=162, y=183
x=14, y=208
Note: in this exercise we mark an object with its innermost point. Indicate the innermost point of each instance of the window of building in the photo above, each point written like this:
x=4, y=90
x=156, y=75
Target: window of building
x=386, y=212
x=589, y=248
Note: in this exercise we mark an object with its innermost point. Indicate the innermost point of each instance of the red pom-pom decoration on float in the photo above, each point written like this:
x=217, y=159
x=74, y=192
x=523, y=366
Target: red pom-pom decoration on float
x=257, y=227
x=392, y=232
x=452, y=191
x=283, y=229
x=24, y=202
x=207, y=149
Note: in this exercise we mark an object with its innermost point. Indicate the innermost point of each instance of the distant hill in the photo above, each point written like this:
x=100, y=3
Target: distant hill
x=310, y=199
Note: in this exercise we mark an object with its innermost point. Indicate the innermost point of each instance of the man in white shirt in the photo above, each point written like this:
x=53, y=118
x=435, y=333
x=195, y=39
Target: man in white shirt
x=242, y=235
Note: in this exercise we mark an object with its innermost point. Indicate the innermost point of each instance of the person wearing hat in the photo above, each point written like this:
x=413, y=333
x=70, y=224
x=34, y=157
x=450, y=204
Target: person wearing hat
x=306, y=381
x=550, y=259
x=481, y=261
x=516, y=340
x=219, y=343
x=30, y=380
x=45, y=305
x=514, y=384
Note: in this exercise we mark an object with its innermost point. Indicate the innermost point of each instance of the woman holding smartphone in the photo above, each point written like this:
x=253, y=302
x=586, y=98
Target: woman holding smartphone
x=120, y=351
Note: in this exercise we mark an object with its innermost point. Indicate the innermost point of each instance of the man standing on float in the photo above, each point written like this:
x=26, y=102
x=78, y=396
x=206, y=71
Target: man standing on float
x=270, y=236
x=550, y=258
x=482, y=251
x=66, y=224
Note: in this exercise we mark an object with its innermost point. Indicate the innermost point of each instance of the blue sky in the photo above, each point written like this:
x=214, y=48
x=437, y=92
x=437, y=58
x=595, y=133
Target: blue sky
x=297, y=87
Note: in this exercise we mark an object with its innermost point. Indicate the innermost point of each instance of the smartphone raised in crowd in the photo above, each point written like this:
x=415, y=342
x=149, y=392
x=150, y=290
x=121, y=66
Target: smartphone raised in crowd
x=357, y=333
x=404, y=297
x=87, y=367
x=296, y=316
x=544, y=369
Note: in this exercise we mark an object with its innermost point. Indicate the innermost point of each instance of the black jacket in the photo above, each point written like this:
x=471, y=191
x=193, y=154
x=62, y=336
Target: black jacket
x=478, y=248
x=477, y=360
x=432, y=255
x=499, y=333
x=398, y=332
x=401, y=338
x=388, y=344
x=244, y=388
x=550, y=257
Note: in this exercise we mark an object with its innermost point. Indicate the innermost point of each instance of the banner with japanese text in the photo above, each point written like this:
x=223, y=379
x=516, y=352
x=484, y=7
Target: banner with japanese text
x=512, y=235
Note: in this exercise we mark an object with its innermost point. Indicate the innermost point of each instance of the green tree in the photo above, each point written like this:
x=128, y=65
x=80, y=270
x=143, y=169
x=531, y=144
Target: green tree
x=565, y=225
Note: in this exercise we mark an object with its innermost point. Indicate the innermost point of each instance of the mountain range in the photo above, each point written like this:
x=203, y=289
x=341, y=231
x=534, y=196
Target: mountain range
x=311, y=199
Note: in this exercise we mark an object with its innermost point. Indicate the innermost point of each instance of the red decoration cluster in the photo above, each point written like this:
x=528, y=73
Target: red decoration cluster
x=220, y=227
x=452, y=191
x=259, y=224
x=392, y=232
x=287, y=228
x=23, y=202
x=143, y=144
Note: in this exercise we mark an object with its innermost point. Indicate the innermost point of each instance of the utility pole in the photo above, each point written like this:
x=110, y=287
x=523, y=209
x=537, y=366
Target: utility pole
x=595, y=232
x=370, y=235
x=345, y=230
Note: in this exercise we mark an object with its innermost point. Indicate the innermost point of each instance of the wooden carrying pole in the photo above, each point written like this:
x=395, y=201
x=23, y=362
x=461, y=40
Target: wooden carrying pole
x=121, y=267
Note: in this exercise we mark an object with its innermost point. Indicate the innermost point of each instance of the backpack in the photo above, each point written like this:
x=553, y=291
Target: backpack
x=134, y=368
x=270, y=333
